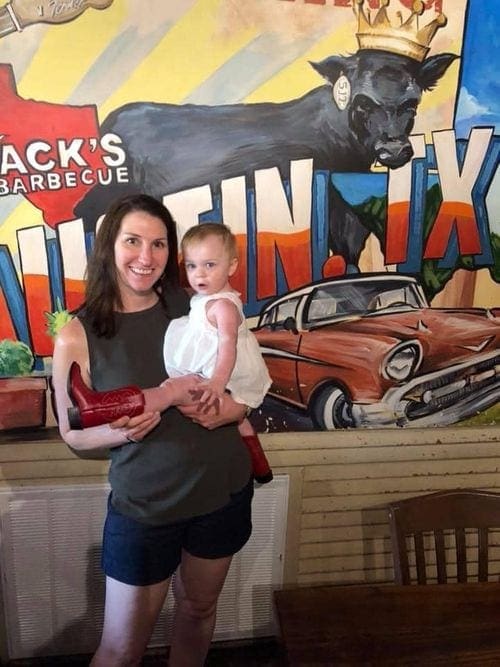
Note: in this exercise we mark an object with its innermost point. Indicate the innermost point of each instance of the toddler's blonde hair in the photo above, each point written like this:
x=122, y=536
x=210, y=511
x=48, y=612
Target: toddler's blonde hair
x=199, y=233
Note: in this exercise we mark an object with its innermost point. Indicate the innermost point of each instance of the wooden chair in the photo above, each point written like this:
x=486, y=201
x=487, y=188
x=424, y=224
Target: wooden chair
x=435, y=513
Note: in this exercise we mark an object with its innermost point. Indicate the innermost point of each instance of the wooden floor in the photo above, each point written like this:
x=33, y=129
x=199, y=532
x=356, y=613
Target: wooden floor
x=260, y=653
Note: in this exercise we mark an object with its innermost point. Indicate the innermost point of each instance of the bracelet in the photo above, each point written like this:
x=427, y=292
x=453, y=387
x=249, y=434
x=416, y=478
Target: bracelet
x=248, y=411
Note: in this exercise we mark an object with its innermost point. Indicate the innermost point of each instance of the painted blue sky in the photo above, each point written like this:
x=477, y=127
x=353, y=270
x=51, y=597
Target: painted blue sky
x=479, y=92
x=479, y=88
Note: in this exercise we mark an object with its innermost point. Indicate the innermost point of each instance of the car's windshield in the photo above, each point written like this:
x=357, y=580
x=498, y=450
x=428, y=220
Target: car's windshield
x=275, y=317
x=361, y=298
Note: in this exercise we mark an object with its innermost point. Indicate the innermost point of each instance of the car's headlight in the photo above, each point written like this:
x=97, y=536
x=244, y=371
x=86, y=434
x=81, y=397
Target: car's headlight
x=402, y=361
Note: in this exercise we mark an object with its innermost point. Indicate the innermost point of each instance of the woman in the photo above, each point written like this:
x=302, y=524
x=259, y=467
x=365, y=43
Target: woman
x=180, y=494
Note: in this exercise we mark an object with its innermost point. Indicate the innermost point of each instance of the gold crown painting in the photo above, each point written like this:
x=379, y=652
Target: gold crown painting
x=406, y=39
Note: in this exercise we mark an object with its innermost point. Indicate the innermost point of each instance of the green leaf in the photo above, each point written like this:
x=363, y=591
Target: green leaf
x=16, y=358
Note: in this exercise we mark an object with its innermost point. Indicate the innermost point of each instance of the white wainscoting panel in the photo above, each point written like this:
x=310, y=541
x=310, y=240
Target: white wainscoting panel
x=53, y=588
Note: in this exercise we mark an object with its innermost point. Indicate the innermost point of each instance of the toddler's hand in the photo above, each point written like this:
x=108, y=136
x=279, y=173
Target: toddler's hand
x=210, y=395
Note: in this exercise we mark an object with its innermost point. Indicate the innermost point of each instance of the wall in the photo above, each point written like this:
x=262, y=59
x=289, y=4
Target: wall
x=343, y=482
x=340, y=484
x=218, y=52
x=323, y=164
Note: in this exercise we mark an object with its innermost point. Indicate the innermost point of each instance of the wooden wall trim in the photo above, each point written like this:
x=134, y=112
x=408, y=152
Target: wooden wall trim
x=340, y=485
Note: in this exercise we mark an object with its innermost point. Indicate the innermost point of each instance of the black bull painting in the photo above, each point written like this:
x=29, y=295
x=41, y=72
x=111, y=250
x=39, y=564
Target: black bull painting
x=171, y=147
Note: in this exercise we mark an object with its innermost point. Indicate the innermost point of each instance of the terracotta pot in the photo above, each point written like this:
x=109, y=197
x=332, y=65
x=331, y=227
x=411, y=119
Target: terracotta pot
x=22, y=402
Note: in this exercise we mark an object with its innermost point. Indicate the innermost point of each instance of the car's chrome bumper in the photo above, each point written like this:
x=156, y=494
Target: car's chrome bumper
x=437, y=399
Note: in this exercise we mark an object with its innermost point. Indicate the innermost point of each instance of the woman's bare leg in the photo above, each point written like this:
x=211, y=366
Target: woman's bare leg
x=130, y=614
x=197, y=586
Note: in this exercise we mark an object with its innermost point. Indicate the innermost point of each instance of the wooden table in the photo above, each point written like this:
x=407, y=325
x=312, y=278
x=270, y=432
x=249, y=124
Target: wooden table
x=450, y=624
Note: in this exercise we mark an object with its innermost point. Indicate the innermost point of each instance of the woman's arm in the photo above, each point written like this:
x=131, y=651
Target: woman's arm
x=71, y=345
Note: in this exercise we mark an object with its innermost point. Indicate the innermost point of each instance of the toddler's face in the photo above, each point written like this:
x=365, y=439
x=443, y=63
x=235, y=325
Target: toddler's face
x=209, y=265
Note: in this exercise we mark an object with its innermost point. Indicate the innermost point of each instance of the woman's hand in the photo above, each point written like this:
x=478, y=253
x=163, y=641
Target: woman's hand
x=135, y=429
x=229, y=411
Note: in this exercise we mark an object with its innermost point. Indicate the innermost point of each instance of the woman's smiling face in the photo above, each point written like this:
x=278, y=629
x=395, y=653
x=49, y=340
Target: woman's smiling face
x=141, y=254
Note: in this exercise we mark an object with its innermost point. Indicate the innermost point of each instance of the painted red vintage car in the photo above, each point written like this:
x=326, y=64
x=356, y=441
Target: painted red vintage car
x=368, y=350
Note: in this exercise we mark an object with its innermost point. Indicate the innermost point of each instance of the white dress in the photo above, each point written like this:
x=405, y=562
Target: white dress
x=190, y=346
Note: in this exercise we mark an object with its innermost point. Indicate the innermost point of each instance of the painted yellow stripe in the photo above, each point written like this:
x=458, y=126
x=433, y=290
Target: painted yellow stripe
x=24, y=215
x=67, y=51
x=446, y=88
x=190, y=52
x=299, y=76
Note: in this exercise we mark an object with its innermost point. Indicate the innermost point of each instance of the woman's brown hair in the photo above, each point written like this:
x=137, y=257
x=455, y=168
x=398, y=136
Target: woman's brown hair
x=102, y=295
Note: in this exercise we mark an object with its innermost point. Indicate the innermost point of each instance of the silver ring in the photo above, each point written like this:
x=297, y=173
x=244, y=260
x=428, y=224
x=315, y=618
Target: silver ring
x=129, y=439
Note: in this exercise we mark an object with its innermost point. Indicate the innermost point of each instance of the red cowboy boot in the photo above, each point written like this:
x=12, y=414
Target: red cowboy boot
x=262, y=472
x=93, y=408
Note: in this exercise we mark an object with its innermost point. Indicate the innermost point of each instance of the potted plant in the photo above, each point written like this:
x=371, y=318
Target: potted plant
x=57, y=319
x=22, y=396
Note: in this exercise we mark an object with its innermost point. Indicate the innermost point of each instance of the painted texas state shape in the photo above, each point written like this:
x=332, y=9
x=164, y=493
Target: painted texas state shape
x=50, y=153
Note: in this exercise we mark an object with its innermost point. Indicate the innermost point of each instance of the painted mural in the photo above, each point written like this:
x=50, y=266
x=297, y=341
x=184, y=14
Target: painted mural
x=351, y=145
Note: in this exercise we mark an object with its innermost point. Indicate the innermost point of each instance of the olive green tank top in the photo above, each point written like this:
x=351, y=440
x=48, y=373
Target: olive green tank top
x=180, y=469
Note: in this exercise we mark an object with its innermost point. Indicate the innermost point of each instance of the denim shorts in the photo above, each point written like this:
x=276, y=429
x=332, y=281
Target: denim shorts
x=141, y=554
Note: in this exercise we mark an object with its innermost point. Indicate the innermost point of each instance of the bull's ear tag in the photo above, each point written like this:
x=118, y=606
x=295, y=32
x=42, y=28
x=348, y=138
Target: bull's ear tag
x=342, y=91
